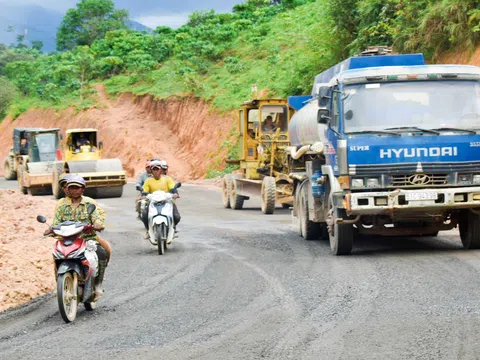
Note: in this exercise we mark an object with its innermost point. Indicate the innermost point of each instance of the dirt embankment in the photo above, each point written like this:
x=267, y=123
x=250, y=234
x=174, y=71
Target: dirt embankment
x=464, y=57
x=185, y=132
x=26, y=264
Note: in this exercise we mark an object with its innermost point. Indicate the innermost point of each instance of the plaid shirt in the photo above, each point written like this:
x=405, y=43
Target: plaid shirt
x=64, y=212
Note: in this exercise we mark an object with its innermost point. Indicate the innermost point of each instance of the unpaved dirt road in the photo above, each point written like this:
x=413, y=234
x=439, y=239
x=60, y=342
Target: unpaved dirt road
x=242, y=285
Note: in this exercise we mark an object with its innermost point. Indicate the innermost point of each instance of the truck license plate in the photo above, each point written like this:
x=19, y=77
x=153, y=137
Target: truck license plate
x=418, y=196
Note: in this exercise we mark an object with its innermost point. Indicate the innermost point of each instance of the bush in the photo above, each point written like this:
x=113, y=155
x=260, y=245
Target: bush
x=7, y=95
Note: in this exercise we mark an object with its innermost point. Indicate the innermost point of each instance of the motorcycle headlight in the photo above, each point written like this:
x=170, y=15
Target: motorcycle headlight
x=357, y=183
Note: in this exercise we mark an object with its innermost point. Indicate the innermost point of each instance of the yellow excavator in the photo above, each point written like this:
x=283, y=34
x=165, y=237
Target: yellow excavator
x=82, y=155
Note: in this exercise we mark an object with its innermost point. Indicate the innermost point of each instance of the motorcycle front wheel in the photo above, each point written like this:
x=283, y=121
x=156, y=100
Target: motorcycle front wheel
x=67, y=296
x=161, y=241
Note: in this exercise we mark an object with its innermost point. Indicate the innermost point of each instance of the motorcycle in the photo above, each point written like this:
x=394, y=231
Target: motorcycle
x=76, y=264
x=160, y=218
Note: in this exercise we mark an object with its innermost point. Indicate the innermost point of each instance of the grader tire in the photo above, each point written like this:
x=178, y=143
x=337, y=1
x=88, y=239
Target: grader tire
x=226, y=186
x=236, y=201
x=8, y=167
x=268, y=195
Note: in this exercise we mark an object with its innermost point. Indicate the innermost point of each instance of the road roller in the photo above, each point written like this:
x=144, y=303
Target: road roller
x=30, y=161
x=263, y=126
x=83, y=156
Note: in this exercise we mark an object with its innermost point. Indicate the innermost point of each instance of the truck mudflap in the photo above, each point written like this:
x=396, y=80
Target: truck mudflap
x=397, y=201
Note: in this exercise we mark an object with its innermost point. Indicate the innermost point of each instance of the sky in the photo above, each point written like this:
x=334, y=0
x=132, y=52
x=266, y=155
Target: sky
x=151, y=13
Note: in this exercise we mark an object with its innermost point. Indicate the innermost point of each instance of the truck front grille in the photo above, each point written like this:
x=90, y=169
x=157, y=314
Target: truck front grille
x=418, y=180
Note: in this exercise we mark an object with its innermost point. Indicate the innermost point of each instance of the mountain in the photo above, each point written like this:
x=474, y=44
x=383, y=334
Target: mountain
x=37, y=23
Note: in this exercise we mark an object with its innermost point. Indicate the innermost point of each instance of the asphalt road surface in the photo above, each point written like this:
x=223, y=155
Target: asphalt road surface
x=242, y=285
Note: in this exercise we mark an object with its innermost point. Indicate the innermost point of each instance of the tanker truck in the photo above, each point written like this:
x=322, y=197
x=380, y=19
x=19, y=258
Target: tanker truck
x=387, y=145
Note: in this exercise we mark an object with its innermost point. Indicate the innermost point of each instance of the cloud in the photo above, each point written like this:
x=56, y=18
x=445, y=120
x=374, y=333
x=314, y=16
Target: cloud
x=172, y=20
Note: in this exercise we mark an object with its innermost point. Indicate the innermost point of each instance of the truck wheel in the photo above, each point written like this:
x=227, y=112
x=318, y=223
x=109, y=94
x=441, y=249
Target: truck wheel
x=341, y=235
x=469, y=225
x=226, y=185
x=268, y=195
x=309, y=230
x=8, y=167
x=236, y=201
x=23, y=189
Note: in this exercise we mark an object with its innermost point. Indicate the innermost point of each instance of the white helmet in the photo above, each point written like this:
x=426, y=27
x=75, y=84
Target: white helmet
x=163, y=164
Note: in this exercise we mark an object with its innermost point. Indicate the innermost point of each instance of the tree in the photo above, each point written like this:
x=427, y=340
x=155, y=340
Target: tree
x=37, y=44
x=90, y=21
x=7, y=94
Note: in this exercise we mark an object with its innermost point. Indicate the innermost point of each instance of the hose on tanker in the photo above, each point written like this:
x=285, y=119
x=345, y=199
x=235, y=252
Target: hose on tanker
x=315, y=147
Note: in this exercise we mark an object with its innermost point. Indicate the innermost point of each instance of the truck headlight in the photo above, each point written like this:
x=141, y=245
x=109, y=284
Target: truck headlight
x=476, y=179
x=372, y=182
x=357, y=183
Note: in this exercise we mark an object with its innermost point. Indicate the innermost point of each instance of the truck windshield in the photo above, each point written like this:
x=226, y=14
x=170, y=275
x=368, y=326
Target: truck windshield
x=421, y=104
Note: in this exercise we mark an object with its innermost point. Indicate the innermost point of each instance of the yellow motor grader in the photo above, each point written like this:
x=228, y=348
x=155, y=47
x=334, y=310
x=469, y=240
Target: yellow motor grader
x=263, y=126
x=83, y=156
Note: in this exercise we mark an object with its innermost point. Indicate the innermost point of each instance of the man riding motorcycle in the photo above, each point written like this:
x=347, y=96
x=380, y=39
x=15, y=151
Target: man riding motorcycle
x=162, y=182
x=63, y=184
x=74, y=208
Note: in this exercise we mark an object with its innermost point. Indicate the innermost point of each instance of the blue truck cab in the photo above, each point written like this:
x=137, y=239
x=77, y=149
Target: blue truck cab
x=400, y=154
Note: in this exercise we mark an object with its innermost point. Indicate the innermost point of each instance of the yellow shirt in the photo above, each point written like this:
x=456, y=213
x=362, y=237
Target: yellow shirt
x=165, y=183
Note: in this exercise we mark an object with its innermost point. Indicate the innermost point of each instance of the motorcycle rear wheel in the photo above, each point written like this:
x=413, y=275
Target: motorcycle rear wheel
x=67, y=296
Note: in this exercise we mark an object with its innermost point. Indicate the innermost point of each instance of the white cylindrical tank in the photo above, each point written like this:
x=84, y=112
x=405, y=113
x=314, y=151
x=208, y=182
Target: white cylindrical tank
x=304, y=128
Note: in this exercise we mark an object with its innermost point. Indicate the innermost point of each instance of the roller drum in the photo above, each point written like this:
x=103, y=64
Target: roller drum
x=91, y=166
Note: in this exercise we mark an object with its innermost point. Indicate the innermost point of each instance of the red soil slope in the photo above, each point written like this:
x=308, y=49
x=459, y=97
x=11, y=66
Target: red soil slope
x=185, y=132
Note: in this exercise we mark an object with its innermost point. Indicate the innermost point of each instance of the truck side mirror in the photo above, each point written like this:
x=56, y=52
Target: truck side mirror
x=323, y=116
x=100, y=145
x=323, y=96
x=61, y=136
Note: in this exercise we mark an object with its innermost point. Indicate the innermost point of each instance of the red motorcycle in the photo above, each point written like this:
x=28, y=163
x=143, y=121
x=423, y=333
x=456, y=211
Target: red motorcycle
x=76, y=264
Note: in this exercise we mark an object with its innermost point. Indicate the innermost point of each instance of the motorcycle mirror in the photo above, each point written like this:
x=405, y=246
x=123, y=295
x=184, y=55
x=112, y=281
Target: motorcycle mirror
x=177, y=185
x=91, y=208
x=41, y=219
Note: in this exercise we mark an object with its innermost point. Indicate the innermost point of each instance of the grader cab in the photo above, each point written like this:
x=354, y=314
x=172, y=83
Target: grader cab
x=263, y=126
x=83, y=156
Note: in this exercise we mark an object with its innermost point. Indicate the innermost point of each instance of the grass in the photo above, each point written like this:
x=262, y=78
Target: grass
x=22, y=104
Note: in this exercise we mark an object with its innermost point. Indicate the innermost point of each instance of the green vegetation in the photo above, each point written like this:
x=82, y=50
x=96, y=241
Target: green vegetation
x=279, y=45
x=89, y=21
x=7, y=95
